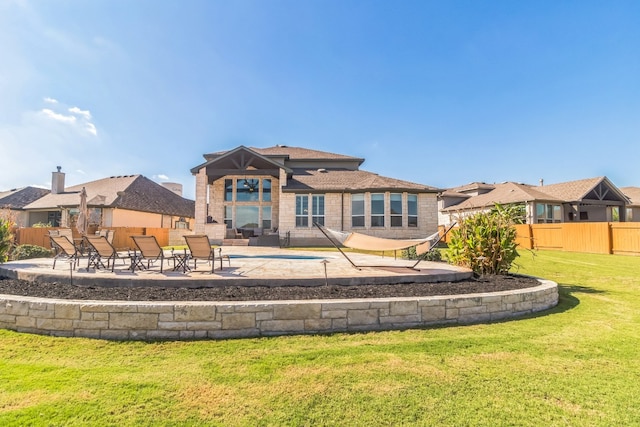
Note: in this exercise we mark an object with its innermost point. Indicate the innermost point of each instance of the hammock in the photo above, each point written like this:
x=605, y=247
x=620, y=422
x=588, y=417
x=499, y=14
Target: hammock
x=355, y=240
x=361, y=241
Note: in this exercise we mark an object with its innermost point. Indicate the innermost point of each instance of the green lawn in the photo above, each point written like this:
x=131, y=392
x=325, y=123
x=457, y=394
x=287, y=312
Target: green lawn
x=577, y=365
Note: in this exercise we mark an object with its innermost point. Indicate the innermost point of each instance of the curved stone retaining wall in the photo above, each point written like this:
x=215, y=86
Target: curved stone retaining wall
x=130, y=320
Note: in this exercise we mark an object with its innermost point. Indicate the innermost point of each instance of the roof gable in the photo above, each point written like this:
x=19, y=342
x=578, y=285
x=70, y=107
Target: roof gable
x=599, y=188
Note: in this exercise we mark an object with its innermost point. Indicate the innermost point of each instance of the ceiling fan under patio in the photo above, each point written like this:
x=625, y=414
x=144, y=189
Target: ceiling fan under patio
x=251, y=184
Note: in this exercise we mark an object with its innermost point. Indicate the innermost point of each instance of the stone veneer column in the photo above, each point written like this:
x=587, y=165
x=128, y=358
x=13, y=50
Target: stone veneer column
x=201, y=201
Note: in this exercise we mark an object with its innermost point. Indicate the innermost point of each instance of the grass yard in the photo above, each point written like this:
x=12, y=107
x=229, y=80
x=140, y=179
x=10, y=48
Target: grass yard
x=577, y=365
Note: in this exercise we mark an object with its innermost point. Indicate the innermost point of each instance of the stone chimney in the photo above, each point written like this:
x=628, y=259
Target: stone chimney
x=57, y=181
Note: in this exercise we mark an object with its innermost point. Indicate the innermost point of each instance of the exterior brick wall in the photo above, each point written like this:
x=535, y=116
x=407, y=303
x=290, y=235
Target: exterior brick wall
x=115, y=320
x=338, y=217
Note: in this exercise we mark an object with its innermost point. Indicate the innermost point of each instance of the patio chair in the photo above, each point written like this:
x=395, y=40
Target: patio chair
x=65, y=249
x=200, y=249
x=151, y=251
x=108, y=234
x=101, y=251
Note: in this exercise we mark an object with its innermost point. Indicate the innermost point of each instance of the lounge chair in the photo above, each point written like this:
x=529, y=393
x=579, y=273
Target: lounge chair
x=65, y=249
x=108, y=234
x=151, y=250
x=101, y=251
x=200, y=249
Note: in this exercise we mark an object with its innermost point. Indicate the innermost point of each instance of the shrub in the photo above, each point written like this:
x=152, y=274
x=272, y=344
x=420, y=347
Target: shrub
x=432, y=255
x=42, y=225
x=485, y=242
x=31, y=251
x=6, y=238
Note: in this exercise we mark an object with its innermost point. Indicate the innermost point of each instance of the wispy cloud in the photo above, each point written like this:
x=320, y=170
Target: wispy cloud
x=58, y=117
x=78, y=118
x=84, y=113
x=161, y=176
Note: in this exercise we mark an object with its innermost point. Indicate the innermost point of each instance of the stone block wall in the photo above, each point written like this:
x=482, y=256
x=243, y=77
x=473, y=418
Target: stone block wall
x=130, y=320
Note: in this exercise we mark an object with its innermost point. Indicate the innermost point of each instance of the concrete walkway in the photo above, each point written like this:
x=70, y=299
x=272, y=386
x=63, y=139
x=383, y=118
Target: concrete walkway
x=249, y=266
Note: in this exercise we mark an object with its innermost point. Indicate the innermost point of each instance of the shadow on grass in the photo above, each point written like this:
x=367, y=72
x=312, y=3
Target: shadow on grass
x=568, y=298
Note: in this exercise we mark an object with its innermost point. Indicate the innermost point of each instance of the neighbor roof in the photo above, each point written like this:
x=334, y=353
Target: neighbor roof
x=573, y=191
x=348, y=180
x=504, y=194
x=133, y=192
x=18, y=198
x=633, y=194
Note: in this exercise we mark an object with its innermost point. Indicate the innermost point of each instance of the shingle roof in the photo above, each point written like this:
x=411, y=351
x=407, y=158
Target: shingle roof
x=473, y=186
x=133, y=192
x=572, y=190
x=20, y=197
x=348, y=180
x=300, y=153
x=633, y=194
x=504, y=194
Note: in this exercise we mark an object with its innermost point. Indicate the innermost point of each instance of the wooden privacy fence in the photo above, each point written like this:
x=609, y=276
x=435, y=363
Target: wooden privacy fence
x=121, y=238
x=593, y=237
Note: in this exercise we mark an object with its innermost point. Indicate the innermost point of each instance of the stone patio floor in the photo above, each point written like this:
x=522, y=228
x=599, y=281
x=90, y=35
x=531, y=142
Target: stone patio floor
x=250, y=265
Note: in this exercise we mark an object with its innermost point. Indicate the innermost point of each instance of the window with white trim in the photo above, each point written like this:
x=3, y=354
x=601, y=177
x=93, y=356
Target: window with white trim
x=302, y=211
x=548, y=213
x=317, y=209
x=377, y=209
x=357, y=210
x=412, y=210
x=396, y=209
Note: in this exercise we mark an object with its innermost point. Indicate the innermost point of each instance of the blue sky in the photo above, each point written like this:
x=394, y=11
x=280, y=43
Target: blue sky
x=437, y=92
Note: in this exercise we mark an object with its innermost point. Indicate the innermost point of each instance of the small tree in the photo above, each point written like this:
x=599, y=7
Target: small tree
x=486, y=242
x=6, y=238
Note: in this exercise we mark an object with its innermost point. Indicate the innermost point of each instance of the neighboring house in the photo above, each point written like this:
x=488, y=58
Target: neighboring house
x=633, y=208
x=284, y=190
x=117, y=201
x=592, y=200
x=538, y=206
x=16, y=199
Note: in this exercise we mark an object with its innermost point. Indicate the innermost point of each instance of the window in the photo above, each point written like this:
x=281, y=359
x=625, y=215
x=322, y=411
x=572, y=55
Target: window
x=412, y=210
x=228, y=190
x=247, y=216
x=302, y=211
x=548, y=213
x=396, y=210
x=629, y=215
x=317, y=209
x=266, y=190
x=266, y=217
x=182, y=224
x=247, y=190
x=228, y=216
x=357, y=210
x=377, y=210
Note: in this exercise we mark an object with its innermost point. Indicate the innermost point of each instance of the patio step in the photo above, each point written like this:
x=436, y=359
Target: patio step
x=235, y=242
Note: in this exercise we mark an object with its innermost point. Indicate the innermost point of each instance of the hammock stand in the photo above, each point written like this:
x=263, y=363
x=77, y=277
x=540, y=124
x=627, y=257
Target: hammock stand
x=361, y=241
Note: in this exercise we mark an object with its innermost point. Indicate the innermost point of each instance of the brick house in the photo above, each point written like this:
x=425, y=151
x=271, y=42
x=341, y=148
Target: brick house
x=588, y=200
x=281, y=191
x=117, y=201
